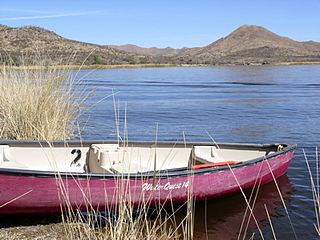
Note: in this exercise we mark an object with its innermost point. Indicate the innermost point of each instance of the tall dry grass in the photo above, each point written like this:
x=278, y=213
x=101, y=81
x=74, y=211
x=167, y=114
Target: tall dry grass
x=315, y=186
x=125, y=221
x=38, y=104
x=121, y=222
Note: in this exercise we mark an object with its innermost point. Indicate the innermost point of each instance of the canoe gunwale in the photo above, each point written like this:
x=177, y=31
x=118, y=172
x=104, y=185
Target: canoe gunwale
x=162, y=174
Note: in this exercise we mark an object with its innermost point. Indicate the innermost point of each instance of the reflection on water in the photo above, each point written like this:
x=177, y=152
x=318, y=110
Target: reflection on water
x=225, y=216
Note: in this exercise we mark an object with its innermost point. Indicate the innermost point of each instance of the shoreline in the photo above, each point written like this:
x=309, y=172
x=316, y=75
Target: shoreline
x=116, y=66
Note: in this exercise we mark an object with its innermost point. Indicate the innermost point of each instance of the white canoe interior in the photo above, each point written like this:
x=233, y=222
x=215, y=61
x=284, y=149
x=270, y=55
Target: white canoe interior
x=112, y=158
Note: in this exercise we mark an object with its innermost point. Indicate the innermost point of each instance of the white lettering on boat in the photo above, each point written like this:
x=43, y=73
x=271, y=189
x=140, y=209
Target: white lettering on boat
x=166, y=187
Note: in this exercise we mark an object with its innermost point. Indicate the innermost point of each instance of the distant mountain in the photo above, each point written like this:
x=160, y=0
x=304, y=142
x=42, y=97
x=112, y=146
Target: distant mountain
x=246, y=45
x=255, y=43
x=153, y=51
x=26, y=43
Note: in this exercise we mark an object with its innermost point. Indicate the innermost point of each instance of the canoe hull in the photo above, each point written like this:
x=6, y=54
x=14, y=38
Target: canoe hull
x=34, y=193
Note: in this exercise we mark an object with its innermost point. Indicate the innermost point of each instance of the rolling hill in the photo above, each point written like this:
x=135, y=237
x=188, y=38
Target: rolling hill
x=26, y=44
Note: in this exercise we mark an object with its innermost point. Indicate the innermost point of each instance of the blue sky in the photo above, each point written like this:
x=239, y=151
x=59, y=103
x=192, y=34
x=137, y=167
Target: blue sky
x=163, y=23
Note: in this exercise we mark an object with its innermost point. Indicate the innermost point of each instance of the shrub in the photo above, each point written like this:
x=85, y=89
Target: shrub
x=38, y=104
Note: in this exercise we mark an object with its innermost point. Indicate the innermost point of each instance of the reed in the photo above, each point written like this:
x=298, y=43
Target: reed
x=38, y=104
x=123, y=221
x=315, y=187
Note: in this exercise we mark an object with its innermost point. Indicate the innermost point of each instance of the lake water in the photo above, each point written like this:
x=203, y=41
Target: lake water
x=258, y=104
x=246, y=104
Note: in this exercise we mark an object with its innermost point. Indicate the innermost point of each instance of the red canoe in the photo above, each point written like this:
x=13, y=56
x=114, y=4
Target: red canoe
x=42, y=177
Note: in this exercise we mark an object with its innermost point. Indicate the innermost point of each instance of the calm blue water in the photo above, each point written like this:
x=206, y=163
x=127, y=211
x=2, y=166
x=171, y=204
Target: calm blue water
x=259, y=104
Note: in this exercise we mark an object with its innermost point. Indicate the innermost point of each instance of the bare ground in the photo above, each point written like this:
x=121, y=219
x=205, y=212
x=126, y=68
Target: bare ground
x=36, y=232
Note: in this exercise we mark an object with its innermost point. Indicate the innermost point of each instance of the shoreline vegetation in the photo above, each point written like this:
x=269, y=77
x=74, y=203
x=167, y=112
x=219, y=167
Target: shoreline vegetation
x=98, y=66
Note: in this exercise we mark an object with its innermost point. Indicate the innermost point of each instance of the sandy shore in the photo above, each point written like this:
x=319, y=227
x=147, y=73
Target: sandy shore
x=54, y=231
x=76, y=67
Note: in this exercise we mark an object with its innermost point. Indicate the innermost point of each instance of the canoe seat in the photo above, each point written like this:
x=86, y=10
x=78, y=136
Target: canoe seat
x=207, y=154
x=128, y=167
x=110, y=158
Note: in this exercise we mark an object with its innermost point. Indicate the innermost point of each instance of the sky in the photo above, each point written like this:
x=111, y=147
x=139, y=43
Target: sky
x=163, y=23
